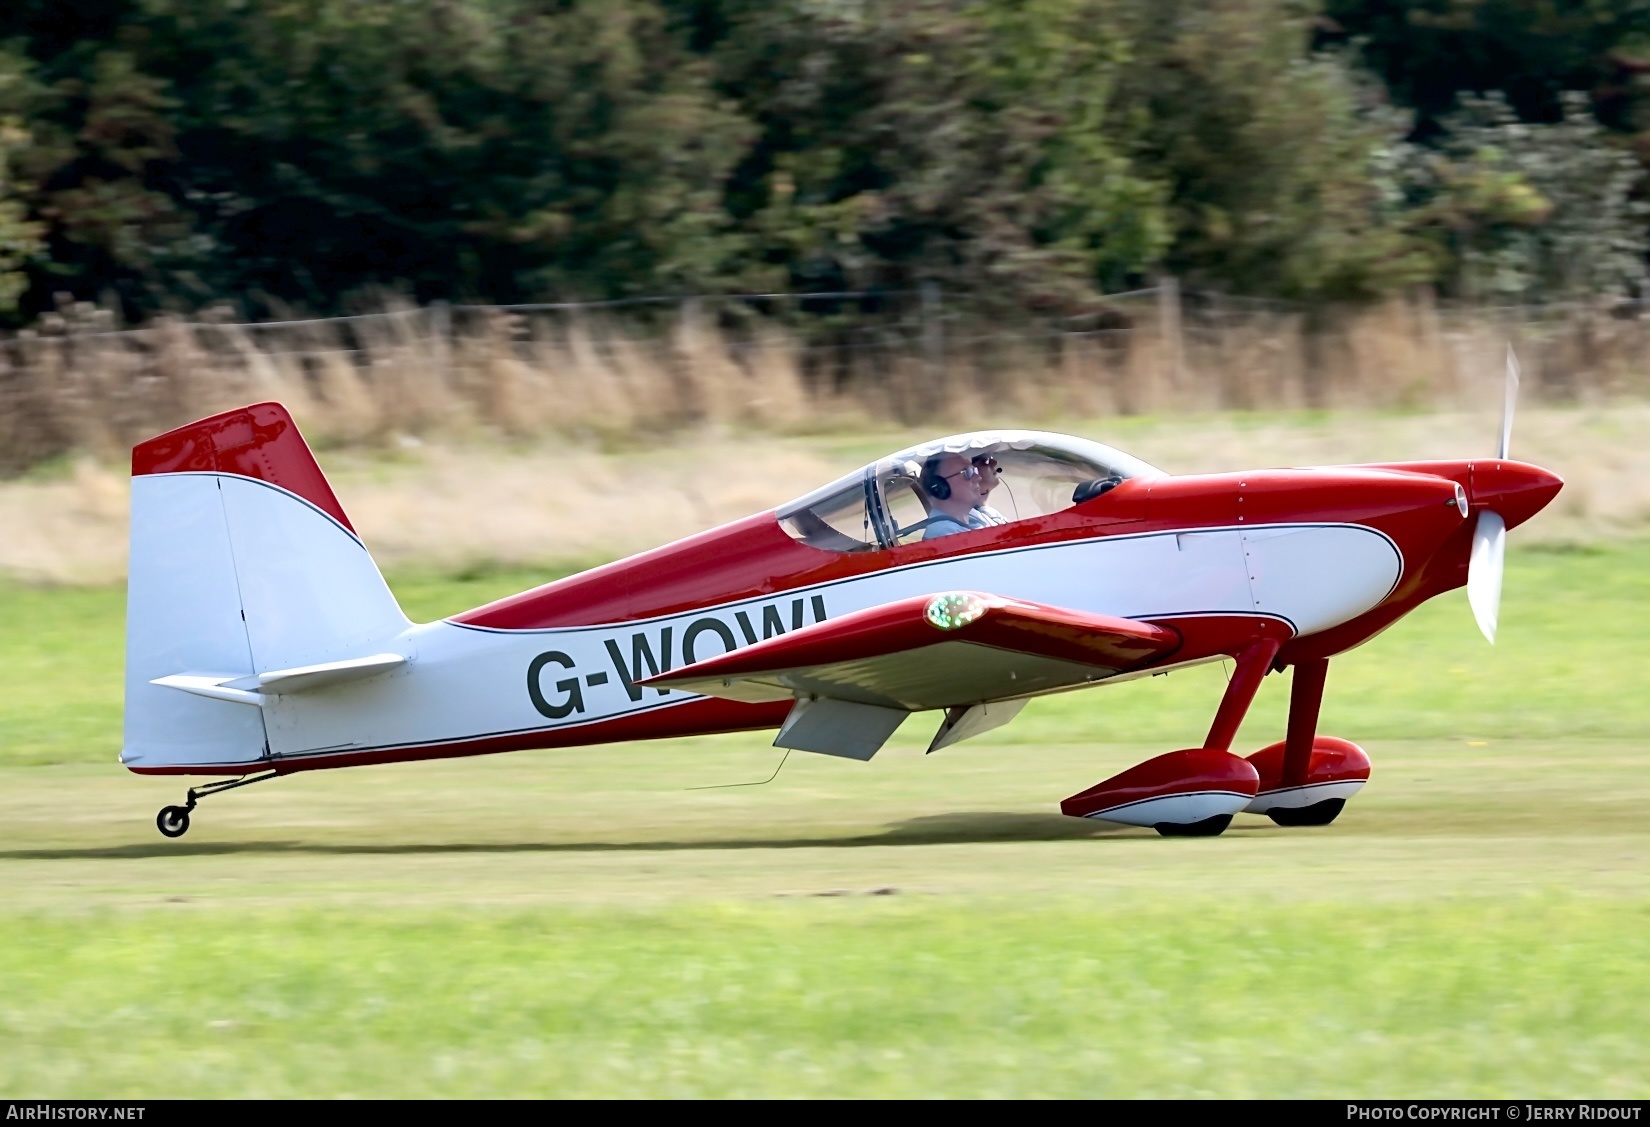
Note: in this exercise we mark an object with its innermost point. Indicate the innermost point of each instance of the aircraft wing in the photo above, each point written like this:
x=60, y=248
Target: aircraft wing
x=932, y=651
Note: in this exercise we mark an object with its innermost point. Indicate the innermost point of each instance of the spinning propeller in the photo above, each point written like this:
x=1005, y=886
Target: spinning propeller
x=1489, y=536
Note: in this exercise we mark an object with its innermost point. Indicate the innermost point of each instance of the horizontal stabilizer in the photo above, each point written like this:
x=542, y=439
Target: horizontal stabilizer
x=306, y=677
x=932, y=651
x=213, y=685
x=261, y=688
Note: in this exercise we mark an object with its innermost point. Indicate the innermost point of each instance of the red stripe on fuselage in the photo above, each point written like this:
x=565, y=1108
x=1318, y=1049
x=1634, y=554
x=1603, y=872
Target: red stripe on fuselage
x=701, y=717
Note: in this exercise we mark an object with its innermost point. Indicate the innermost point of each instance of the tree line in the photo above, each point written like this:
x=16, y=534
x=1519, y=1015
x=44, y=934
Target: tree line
x=1032, y=154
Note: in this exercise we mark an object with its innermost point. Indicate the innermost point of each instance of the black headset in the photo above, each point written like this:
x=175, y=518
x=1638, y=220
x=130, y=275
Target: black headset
x=932, y=483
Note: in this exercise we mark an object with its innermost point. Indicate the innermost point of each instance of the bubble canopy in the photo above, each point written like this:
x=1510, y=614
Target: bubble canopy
x=887, y=503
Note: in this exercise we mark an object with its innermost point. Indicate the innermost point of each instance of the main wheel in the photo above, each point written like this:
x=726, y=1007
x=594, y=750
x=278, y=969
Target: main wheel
x=173, y=821
x=1317, y=814
x=1209, y=827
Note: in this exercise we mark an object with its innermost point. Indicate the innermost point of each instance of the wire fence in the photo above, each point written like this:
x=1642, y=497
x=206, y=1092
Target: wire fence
x=650, y=365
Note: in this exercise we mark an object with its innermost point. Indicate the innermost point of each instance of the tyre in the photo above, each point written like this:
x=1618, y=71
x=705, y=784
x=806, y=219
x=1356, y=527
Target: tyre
x=1317, y=814
x=1209, y=827
x=173, y=821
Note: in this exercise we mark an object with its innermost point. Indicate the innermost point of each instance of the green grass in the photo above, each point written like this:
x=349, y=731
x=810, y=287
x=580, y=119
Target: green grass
x=581, y=922
x=832, y=998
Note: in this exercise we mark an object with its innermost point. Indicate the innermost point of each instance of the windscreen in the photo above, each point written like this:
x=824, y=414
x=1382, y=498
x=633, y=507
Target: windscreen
x=1010, y=476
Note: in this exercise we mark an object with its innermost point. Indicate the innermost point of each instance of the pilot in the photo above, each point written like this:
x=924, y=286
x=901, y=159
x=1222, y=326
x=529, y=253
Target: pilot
x=955, y=490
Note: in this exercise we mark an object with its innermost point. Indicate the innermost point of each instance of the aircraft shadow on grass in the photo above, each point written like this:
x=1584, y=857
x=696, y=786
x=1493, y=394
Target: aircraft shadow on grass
x=977, y=827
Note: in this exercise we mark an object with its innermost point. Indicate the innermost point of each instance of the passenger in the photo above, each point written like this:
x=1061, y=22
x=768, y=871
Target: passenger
x=989, y=480
x=955, y=491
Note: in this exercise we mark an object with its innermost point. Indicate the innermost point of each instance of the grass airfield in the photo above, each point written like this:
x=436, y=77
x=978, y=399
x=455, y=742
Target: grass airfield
x=583, y=923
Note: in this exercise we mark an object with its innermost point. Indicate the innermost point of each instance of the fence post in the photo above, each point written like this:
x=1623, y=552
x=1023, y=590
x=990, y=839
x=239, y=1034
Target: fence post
x=933, y=331
x=1168, y=330
x=692, y=394
x=441, y=340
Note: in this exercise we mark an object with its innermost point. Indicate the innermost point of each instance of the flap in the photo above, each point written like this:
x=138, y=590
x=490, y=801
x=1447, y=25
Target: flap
x=932, y=651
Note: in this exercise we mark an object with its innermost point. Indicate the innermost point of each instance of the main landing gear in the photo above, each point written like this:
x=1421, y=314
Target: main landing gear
x=173, y=821
x=1303, y=780
x=1208, y=827
x=1317, y=814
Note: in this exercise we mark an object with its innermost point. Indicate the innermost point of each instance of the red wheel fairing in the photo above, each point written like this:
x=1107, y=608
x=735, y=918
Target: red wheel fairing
x=1181, y=787
x=1339, y=769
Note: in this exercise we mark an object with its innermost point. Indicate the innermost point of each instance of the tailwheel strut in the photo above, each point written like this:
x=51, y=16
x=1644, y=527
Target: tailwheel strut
x=173, y=821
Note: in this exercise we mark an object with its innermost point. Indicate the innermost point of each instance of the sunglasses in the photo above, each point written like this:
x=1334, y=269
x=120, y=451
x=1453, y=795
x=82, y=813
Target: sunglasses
x=976, y=470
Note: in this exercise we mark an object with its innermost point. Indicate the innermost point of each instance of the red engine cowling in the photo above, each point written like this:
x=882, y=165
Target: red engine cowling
x=1338, y=770
x=1181, y=788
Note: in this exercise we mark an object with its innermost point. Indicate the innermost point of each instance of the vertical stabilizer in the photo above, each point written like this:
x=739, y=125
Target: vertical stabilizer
x=242, y=562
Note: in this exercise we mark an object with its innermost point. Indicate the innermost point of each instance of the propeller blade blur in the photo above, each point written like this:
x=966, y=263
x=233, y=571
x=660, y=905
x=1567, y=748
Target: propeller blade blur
x=1489, y=552
x=1507, y=404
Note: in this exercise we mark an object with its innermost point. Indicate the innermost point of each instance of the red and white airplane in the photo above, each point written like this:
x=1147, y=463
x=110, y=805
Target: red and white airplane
x=262, y=640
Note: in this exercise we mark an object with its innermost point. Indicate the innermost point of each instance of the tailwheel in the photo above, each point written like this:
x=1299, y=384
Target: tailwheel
x=1317, y=814
x=173, y=821
x=1208, y=827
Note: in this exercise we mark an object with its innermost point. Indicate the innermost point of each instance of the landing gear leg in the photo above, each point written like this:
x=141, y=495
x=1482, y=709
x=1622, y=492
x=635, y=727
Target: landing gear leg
x=1305, y=699
x=1306, y=779
x=173, y=821
x=1252, y=665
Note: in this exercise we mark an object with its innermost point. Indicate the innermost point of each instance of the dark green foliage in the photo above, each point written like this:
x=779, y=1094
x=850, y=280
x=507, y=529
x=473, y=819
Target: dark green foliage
x=19, y=237
x=1272, y=152
x=1028, y=153
x=305, y=149
x=965, y=143
x=1431, y=52
x=1518, y=212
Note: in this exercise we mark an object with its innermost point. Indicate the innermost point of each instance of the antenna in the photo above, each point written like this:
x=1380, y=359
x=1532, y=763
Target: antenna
x=758, y=783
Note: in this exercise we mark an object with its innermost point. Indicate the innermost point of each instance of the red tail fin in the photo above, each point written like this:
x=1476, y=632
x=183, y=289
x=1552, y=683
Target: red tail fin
x=260, y=441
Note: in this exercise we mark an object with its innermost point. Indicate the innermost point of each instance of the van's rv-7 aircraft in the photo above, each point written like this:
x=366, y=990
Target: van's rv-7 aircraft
x=262, y=640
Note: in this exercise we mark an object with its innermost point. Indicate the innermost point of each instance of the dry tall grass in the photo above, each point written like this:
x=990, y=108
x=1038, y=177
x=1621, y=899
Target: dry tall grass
x=448, y=506
x=458, y=436
x=77, y=385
